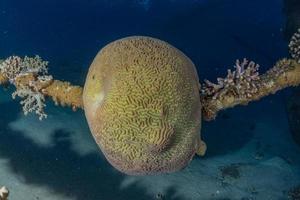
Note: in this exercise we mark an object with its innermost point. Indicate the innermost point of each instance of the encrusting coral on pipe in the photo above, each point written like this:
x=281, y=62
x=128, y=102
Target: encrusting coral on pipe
x=245, y=84
x=141, y=99
x=240, y=87
x=33, y=84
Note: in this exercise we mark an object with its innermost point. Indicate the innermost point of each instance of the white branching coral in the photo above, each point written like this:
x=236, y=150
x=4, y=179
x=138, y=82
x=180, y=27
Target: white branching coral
x=241, y=82
x=15, y=67
x=33, y=101
x=11, y=67
x=35, y=65
x=294, y=46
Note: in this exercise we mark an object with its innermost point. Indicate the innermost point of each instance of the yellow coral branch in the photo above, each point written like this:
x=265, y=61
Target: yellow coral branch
x=65, y=94
x=3, y=79
x=284, y=74
x=62, y=93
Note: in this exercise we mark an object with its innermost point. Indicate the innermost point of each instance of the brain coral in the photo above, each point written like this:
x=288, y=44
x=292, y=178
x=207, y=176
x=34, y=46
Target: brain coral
x=141, y=100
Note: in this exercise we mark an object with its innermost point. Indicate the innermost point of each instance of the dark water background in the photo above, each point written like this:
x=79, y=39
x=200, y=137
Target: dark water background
x=212, y=33
x=69, y=33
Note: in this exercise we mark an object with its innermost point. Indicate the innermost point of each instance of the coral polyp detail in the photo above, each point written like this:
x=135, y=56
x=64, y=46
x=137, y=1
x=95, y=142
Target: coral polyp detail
x=159, y=137
x=141, y=99
x=242, y=81
x=294, y=46
x=15, y=66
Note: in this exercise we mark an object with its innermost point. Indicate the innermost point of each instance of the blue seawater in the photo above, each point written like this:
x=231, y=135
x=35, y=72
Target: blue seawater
x=251, y=153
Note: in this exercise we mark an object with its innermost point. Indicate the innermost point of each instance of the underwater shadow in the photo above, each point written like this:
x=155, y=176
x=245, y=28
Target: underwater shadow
x=170, y=194
x=225, y=135
x=59, y=167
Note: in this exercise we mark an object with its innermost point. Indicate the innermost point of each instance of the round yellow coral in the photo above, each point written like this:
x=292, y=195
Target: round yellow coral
x=141, y=100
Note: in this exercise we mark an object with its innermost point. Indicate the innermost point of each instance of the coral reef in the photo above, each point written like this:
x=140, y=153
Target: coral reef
x=64, y=94
x=3, y=79
x=14, y=68
x=4, y=193
x=250, y=86
x=142, y=103
x=295, y=46
x=33, y=101
x=33, y=84
x=242, y=82
x=244, y=85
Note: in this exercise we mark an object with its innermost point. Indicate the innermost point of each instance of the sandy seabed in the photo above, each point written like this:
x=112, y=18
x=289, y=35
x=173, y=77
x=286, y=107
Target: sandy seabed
x=251, y=155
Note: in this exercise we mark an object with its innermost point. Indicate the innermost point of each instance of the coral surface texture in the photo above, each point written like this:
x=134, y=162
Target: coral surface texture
x=141, y=100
